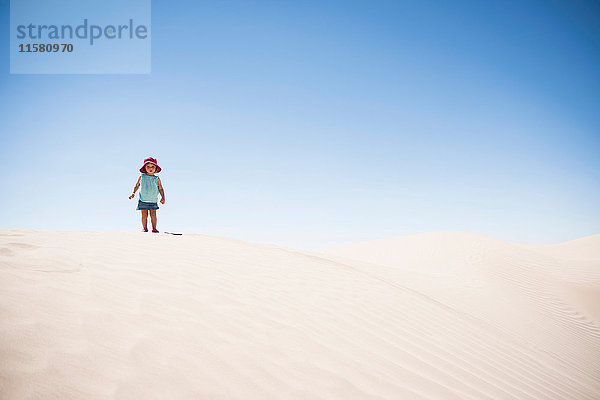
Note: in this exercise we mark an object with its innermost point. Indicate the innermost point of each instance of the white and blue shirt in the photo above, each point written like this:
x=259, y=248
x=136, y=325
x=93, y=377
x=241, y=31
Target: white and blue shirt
x=149, y=188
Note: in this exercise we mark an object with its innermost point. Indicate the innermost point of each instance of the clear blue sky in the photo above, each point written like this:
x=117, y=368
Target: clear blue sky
x=317, y=123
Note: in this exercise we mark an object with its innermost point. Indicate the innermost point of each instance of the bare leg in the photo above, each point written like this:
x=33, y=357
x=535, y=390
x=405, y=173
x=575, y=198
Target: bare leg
x=145, y=219
x=153, y=218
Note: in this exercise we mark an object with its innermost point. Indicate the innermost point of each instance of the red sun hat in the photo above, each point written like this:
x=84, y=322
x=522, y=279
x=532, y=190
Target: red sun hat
x=150, y=160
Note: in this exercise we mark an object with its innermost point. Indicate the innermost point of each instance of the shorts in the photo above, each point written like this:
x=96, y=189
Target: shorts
x=142, y=205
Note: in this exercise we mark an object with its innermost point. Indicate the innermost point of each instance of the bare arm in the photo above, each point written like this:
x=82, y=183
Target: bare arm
x=136, y=187
x=161, y=190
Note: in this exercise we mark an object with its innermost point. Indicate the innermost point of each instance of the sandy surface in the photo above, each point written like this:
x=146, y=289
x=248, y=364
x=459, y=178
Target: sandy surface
x=446, y=315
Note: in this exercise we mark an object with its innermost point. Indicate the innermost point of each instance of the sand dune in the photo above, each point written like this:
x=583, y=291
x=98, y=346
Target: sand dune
x=97, y=315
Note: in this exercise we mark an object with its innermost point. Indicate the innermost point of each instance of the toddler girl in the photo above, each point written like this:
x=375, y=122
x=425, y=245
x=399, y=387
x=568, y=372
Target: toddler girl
x=150, y=187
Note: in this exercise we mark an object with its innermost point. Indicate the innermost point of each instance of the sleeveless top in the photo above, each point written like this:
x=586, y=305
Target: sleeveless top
x=149, y=188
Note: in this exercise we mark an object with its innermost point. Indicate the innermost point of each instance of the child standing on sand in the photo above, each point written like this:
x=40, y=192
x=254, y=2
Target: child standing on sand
x=150, y=187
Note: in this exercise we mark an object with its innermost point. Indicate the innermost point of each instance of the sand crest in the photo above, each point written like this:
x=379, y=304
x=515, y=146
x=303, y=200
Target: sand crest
x=447, y=315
